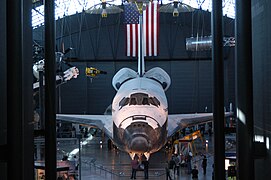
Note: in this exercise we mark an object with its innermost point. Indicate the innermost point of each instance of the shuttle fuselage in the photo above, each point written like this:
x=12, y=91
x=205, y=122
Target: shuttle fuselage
x=140, y=114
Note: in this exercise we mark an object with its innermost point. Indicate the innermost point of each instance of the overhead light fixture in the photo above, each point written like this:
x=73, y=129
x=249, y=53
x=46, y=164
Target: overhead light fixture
x=104, y=9
x=140, y=1
x=104, y=13
x=175, y=8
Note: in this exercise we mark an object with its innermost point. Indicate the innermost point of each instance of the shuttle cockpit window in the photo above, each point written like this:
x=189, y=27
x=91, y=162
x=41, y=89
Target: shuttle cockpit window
x=139, y=99
x=154, y=101
x=132, y=101
x=124, y=102
x=145, y=101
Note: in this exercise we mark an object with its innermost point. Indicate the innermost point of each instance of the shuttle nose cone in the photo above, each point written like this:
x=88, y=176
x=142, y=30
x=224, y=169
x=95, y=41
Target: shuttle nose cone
x=139, y=144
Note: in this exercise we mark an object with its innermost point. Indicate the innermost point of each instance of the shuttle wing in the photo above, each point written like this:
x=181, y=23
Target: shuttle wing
x=103, y=122
x=180, y=121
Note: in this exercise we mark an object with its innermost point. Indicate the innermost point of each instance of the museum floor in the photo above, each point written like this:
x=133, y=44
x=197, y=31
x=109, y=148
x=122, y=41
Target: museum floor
x=98, y=162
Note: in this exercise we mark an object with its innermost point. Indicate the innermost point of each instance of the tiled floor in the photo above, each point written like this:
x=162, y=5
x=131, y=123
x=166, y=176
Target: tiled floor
x=100, y=163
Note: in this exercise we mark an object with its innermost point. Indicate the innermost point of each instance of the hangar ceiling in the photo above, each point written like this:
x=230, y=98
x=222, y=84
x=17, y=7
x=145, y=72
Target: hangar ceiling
x=70, y=7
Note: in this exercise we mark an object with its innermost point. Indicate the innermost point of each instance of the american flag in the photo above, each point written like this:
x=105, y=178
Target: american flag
x=150, y=29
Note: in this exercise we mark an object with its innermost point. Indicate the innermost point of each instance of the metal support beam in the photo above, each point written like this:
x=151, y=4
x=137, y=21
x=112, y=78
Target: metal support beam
x=19, y=90
x=218, y=90
x=244, y=90
x=50, y=91
x=79, y=158
x=3, y=90
x=14, y=85
x=41, y=100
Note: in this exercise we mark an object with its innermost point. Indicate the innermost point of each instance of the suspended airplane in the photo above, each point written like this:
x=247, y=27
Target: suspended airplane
x=140, y=123
x=61, y=75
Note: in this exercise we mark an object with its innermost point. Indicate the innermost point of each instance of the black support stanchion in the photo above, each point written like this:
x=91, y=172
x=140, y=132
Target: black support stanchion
x=79, y=158
x=14, y=90
x=50, y=91
x=218, y=90
x=19, y=149
x=41, y=100
x=244, y=90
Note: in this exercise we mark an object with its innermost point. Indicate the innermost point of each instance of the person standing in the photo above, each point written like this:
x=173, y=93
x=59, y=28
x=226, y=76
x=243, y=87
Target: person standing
x=167, y=171
x=195, y=172
x=171, y=166
x=73, y=132
x=134, y=164
x=145, y=162
x=189, y=160
x=210, y=131
x=177, y=160
x=204, y=164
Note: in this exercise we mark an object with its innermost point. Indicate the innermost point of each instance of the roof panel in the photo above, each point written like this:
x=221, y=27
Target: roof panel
x=70, y=7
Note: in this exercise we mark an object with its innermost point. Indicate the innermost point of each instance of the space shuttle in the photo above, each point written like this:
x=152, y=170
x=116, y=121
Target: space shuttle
x=140, y=123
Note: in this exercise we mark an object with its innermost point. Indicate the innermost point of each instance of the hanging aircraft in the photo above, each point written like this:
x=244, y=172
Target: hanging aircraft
x=61, y=75
x=93, y=72
x=140, y=123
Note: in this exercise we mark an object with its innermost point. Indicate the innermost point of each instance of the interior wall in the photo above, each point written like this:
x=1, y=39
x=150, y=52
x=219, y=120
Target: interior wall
x=95, y=38
x=190, y=90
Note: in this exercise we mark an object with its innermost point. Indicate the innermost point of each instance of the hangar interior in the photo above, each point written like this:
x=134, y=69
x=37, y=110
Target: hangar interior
x=100, y=42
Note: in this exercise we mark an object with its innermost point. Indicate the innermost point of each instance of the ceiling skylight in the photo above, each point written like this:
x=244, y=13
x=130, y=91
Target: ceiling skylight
x=70, y=7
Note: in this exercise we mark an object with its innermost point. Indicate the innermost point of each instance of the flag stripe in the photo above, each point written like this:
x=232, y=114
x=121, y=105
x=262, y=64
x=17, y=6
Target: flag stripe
x=150, y=30
x=128, y=49
x=151, y=26
x=155, y=30
x=144, y=33
x=133, y=50
x=136, y=40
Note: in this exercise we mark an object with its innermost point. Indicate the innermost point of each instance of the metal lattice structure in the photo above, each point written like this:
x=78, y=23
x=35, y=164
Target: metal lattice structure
x=70, y=7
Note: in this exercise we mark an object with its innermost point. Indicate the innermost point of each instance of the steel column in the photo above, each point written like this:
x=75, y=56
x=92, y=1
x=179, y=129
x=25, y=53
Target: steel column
x=218, y=90
x=244, y=90
x=19, y=90
x=50, y=91
x=41, y=100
